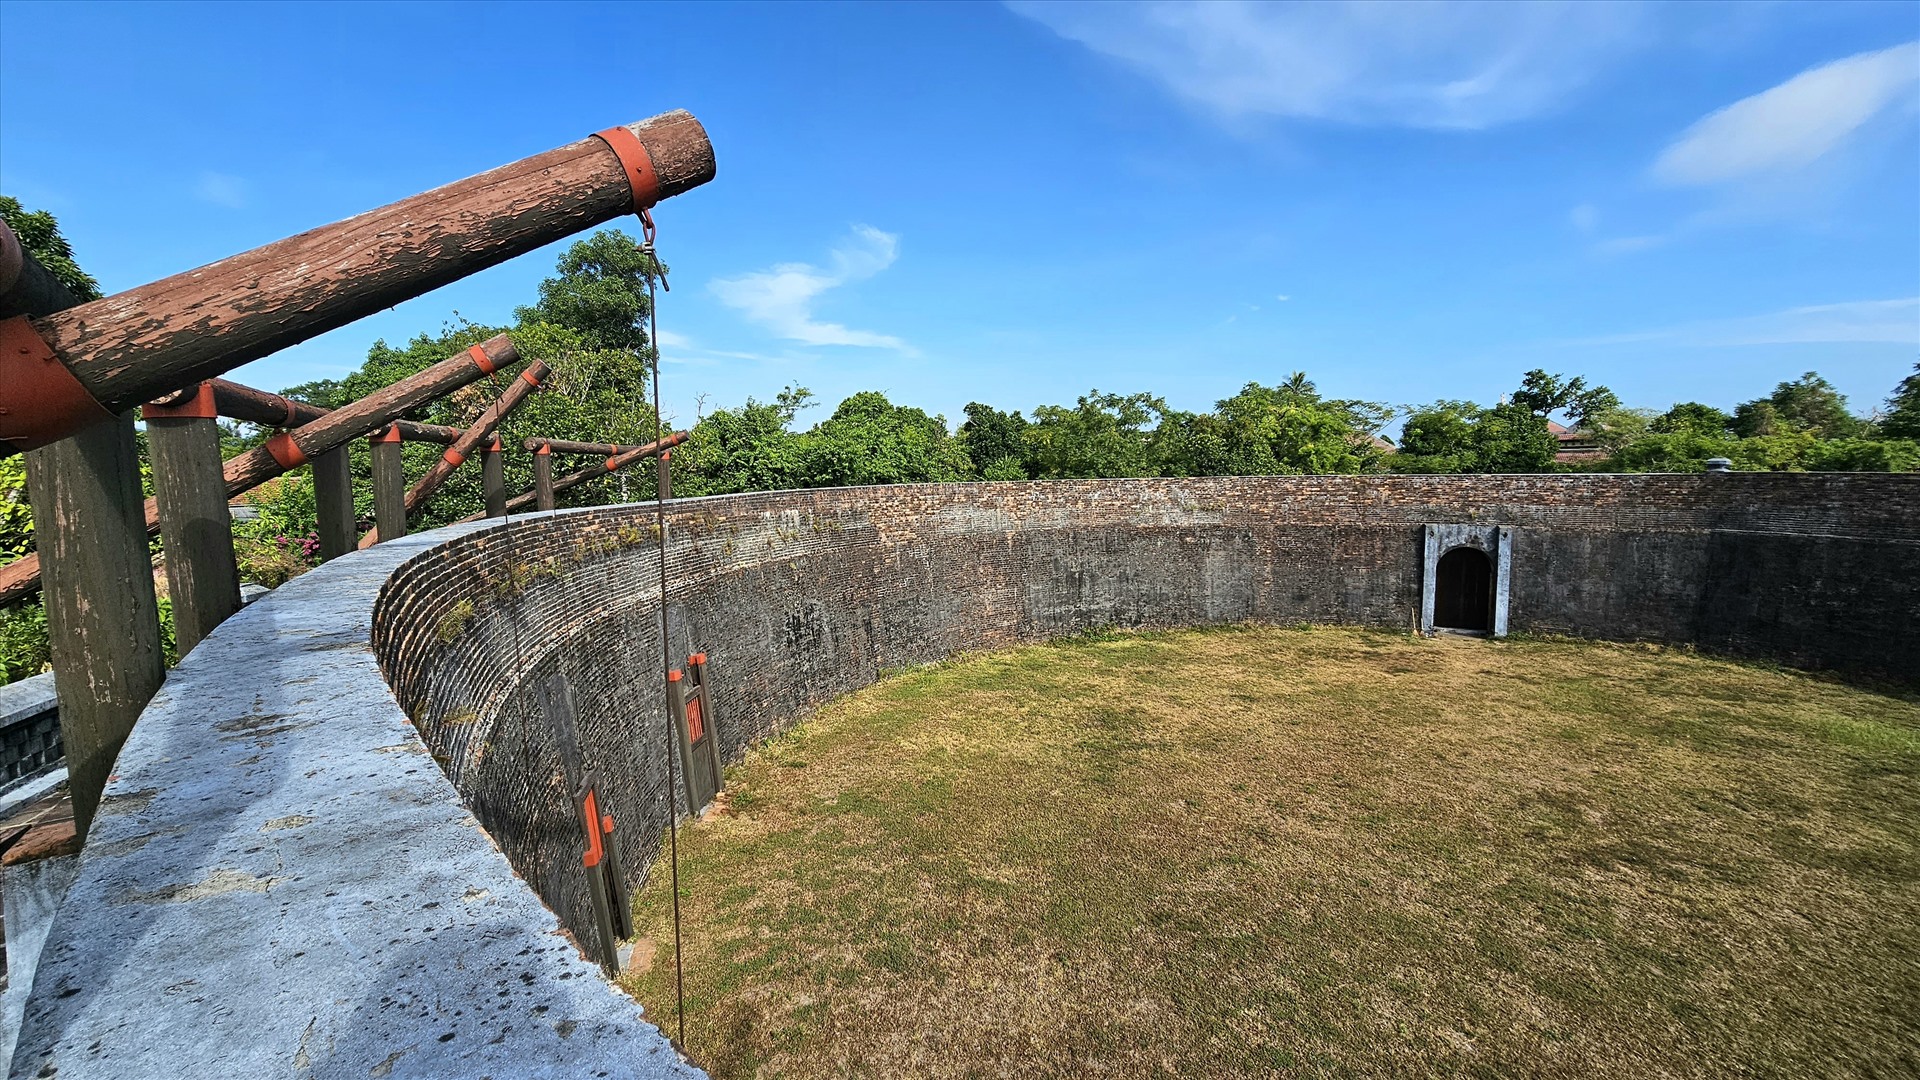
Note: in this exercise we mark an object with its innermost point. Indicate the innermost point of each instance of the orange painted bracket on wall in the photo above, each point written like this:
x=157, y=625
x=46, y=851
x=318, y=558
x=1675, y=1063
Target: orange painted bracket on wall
x=590, y=810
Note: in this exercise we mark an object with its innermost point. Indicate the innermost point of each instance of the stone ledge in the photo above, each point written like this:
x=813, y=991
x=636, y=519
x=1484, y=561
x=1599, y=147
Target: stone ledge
x=281, y=883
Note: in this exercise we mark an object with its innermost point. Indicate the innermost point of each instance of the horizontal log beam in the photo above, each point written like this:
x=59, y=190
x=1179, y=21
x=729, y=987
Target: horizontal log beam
x=592, y=472
x=292, y=449
x=469, y=442
x=258, y=407
x=138, y=345
x=573, y=446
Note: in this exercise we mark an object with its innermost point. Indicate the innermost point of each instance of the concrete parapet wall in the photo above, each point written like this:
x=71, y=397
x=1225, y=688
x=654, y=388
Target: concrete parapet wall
x=281, y=882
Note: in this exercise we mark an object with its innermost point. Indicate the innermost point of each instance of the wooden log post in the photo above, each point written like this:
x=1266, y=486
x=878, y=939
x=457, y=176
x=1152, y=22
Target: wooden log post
x=103, y=618
x=469, y=441
x=333, y=502
x=493, y=478
x=389, y=486
x=290, y=450
x=138, y=345
x=542, y=480
x=196, y=529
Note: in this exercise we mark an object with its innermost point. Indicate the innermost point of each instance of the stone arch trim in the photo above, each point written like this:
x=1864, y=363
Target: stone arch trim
x=1494, y=541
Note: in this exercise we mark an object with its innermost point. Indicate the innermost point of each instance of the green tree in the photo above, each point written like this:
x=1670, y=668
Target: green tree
x=39, y=234
x=1691, y=416
x=995, y=441
x=1902, y=420
x=870, y=440
x=1289, y=429
x=1512, y=438
x=1102, y=435
x=600, y=292
x=1809, y=403
x=751, y=448
x=1544, y=394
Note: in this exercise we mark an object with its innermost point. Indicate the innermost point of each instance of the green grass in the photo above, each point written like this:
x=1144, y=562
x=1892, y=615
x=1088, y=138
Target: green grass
x=1312, y=853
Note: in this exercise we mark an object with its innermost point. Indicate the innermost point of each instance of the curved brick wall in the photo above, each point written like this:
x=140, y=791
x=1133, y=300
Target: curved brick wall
x=280, y=881
x=799, y=597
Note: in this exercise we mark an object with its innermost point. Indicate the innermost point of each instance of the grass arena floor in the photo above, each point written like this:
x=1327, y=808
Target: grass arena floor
x=1310, y=852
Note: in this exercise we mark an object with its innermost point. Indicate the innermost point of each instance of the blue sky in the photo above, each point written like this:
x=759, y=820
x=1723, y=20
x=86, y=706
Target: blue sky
x=1017, y=203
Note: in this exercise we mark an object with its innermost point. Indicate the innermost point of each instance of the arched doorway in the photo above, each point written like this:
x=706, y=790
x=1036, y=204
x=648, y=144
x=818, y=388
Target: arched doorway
x=1463, y=591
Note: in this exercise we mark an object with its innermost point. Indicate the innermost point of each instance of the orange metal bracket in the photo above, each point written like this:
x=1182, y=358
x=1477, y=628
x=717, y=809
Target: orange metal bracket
x=287, y=453
x=590, y=810
x=637, y=162
x=481, y=360
x=42, y=400
x=454, y=457
x=198, y=407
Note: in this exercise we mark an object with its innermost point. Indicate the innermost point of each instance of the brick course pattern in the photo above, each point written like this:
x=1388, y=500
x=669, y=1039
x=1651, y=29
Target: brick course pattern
x=800, y=597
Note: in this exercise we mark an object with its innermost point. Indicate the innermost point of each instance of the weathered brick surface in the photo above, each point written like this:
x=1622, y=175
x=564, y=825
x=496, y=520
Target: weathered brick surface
x=799, y=597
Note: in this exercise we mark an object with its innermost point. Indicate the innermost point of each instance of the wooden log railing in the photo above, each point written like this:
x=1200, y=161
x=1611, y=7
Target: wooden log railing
x=468, y=443
x=258, y=407
x=289, y=450
x=149, y=341
x=592, y=472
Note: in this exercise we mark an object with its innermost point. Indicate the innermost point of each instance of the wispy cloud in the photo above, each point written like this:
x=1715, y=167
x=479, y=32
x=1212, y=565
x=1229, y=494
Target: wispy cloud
x=782, y=298
x=1886, y=322
x=1795, y=123
x=1451, y=66
x=221, y=189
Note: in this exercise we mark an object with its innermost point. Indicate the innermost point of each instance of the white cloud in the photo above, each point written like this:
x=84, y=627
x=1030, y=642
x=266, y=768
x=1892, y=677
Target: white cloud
x=221, y=189
x=1585, y=217
x=1884, y=322
x=1283, y=297
x=667, y=339
x=1793, y=124
x=1454, y=66
x=782, y=298
x=1624, y=245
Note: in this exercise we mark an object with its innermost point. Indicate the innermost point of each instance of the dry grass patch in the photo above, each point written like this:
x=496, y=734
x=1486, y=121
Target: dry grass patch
x=1312, y=852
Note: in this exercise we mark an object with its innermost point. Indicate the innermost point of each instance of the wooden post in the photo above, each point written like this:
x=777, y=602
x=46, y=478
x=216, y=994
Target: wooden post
x=543, y=478
x=196, y=530
x=389, y=486
x=137, y=345
x=103, y=619
x=102, y=616
x=333, y=501
x=493, y=478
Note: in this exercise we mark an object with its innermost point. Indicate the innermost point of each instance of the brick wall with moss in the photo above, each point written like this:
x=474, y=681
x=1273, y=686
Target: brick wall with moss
x=799, y=597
